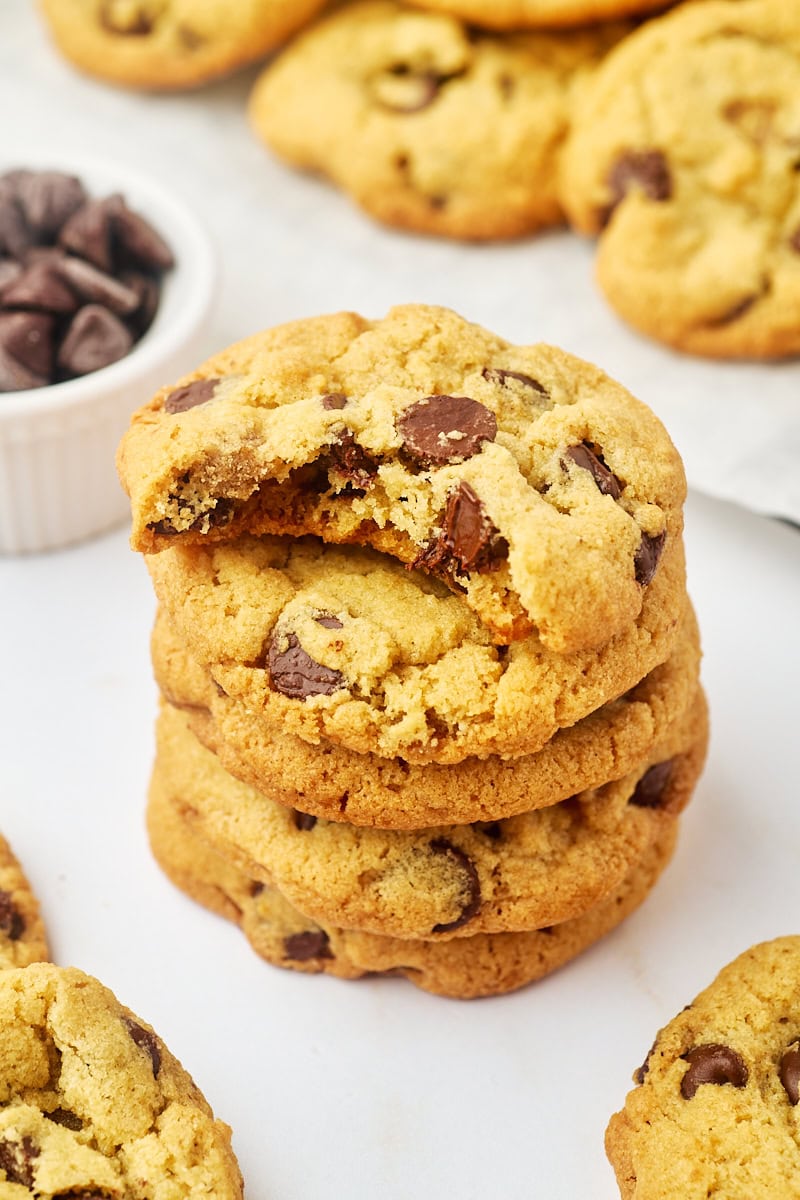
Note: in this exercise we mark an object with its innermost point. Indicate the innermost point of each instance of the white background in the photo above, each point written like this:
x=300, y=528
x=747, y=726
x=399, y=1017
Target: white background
x=373, y=1088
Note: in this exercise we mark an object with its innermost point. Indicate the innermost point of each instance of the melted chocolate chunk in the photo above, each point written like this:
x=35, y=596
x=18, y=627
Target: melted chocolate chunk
x=328, y=621
x=295, y=674
x=647, y=170
x=147, y=1041
x=345, y=457
x=95, y=339
x=468, y=540
x=500, y=375
x=63, y=1116
x=404, y=90
x=16, y=1159
x=588, y=456
x=445, y=429
x=648, y=556
x=472, y=884
x=303, y=821
x=304, y=946
x=789, y=1072
x=11, y=920
x=712, y=1063
x=124, y=20
x=649, y=791
x=334, y=401
x=736, y=310
x=190, y=395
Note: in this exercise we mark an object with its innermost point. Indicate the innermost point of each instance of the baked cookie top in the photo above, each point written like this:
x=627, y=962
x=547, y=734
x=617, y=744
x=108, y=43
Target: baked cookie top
x=535, y=869
x=519, y=14
x=529, y=481
x=716, y=1110
x=483, y=965
x=426, y=123
x=685, y=155
x=164, y=44
x=337, y=784
x=343, y=643
x=22, y=935
x=93, y=1104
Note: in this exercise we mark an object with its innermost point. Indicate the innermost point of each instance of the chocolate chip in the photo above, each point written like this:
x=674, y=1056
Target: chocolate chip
x=27, y=340
x=96, y=286
x=640, y=1072
x=41, y=287
x=648, y=556
x=303, y=821
x=148, y=292
x=493, y=830
x=789, y=1072
x=138, y=240
x=472, y=884
x=347, y=458
x=735, y=311
x=588, y=456
x=295, y=674
x=647, y=170
x=94, y=339
x=649, y=791
x=11, y=920
x=328, y=621
x=500, y=375
x=147, y=1041
x=9, y=271
x=469, y=541
x=301, y=947
x=712, y=1063
x=794, y=240
x=445, y=429
x=16, y=1160
x=190, y=395
x=333, y=401
x=47, y=200
x=15, y=237
x=256, y=888
x=190, y=38
x=126, y=20
x=63, y=1116
x=402, y=89
x=89, y=232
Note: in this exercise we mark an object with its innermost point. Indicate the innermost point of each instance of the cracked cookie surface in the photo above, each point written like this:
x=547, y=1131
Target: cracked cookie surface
x=93, y=1104
x=22, y=934
x=716, y=1110
x=684, y=157
x=429, y=124
x=464, y=968
x=171, y=43
x=337, y=784
x=535, y=869
x=525, y=478
x=343, y=643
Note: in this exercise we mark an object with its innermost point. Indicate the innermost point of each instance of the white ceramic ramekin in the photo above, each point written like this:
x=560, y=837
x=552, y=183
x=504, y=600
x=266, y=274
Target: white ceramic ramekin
x=57, y=479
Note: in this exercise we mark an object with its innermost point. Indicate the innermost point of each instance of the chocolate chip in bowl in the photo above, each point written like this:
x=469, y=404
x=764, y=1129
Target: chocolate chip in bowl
x=106, y=286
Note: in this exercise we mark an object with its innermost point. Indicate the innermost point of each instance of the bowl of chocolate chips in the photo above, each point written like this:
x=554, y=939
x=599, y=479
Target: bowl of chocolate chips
x=106, y=287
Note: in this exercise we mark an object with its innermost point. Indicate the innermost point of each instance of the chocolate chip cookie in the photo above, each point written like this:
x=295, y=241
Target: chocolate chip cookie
x=337, y=784
x=684, y=157
x=483, y=965
x=520, y=14
x=429, y=124
x=165, y=44
x=22, y=935
x=716, y=1111
x=92, y=1103
x=535, y=869
x=345, y=644
x=524, y=478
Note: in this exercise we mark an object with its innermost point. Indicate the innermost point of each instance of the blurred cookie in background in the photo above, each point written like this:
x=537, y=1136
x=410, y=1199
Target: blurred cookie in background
x=536, y=14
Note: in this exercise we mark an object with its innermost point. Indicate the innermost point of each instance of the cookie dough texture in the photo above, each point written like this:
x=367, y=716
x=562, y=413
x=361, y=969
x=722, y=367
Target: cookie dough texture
x=520, y=14
x=716, y=1110
x=93, y=1104
x=538, y=488
x=337, y=784
x=164, y=44
x=344, y=644
x=464, y=968
x=532, y=870
x=426, y=123
x=22, y=934
x=684, y=158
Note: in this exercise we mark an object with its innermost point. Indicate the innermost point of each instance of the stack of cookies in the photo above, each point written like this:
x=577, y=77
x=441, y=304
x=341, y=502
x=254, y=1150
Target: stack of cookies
x=429, y=669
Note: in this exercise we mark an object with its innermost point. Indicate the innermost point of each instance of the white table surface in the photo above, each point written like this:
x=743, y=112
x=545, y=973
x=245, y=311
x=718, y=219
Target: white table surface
x=373, y=1088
